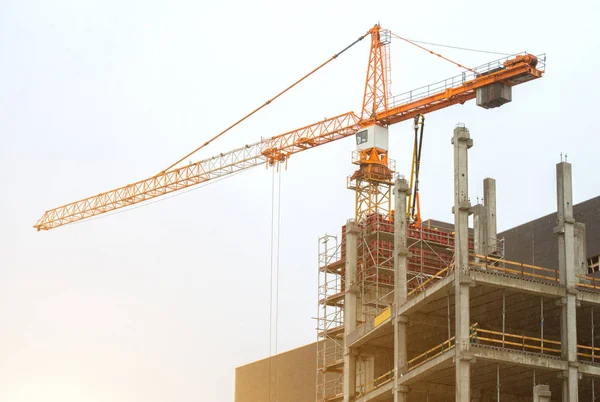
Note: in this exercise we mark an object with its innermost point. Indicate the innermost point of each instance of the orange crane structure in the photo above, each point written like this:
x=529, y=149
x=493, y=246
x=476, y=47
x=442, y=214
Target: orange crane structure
x=372, y=182
x=490, y=83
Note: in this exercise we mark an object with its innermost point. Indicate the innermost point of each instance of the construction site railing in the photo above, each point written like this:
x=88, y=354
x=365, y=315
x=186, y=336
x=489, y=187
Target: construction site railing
x=438, y=350
x=427, y=283
x=376, y=383
x=593, y=284
x=458, y=80
x=516, y=342
x=532, y=272
x=503, y=340
x=431, y=353
x=512, y=268
x=484, y=337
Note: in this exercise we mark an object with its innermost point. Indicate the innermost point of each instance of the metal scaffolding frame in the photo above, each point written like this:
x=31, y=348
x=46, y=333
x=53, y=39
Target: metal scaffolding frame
x=330, y=319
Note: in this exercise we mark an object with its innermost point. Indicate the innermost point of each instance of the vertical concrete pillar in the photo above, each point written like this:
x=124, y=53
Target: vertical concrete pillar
x=351, y=289
x=400, y=288
x=480, y=229
x=489, y=201
x=541, y=393
x=565, y=230
x=462, y=142
x=400, y=241
x=580, y=249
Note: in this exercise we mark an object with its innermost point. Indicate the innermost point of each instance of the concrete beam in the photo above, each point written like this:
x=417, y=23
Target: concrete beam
x=367, y=332
x=439, y=362
x=588, y=369
x=437, y=291
x=589, y=298
x=521, y=359
x=502, y=282
x=382, y=393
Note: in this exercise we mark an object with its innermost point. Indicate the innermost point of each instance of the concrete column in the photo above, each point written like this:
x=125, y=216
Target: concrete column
x=351, y=290
x=565, y=230
x=541, y=393
x=489, y=201
x=480, y=229
x=462, y=142
x=580, y=249
x=401, y=190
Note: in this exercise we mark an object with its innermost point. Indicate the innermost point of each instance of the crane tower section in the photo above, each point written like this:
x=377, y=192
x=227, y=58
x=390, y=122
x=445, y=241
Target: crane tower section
x=372, y=182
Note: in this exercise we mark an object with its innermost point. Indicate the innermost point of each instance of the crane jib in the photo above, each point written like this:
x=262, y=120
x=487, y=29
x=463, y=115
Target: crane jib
x=509, y=71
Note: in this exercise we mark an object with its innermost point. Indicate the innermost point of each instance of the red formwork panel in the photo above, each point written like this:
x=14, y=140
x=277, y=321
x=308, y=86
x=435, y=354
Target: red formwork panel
x=421, y=260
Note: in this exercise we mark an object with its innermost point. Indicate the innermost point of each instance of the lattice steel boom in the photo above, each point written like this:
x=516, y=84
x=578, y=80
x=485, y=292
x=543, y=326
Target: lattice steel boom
x=377, y=109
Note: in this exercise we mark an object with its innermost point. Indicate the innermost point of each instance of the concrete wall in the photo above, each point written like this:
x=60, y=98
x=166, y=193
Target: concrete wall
x=295, y=380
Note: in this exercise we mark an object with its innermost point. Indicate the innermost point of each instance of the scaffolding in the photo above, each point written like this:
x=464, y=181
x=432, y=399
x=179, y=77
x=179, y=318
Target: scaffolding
x=375, y=268
x=431, y=258
x=330, y=320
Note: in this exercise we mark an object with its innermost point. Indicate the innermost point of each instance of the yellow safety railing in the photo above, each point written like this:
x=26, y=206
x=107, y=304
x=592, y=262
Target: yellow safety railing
x=519, y=342
x=376, y=383
x=440, y=274
x=485, y=337
x=593, y=285
x=431, y=353
x=514, y=268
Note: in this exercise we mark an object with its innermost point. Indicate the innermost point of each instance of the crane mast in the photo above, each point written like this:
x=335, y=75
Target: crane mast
x=372, y=181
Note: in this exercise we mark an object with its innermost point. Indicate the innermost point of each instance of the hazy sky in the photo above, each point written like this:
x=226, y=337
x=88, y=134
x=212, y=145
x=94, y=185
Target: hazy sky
x=163, y=302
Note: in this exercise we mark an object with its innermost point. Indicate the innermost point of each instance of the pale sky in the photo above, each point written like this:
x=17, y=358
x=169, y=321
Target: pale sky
x=163, y=302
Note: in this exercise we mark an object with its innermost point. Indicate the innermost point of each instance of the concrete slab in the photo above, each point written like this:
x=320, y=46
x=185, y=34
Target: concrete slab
x=521, y=359
x=504, y=282
x=380, y=394
x=442, y=361
x=434, y=292
x=588, y=369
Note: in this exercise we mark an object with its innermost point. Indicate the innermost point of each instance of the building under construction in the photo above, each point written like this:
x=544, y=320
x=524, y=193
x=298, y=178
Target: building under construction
x=439, y=312
x=412, y=310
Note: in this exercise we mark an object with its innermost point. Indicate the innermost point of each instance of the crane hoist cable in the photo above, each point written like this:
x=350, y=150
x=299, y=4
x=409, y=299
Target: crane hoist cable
x=413, y=200
x=460, y=48
x=335, y=56
x=274, y=280
x=432, y=52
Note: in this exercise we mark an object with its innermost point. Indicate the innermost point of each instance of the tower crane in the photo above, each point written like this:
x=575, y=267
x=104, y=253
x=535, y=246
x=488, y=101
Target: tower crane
x=490, y=83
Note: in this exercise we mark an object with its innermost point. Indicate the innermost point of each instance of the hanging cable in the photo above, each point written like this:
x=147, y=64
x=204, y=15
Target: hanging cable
x=277, y=285
x=274, y=282
x=335, y=56
x=432, y=52
x=271, y=281
x=460, y=48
